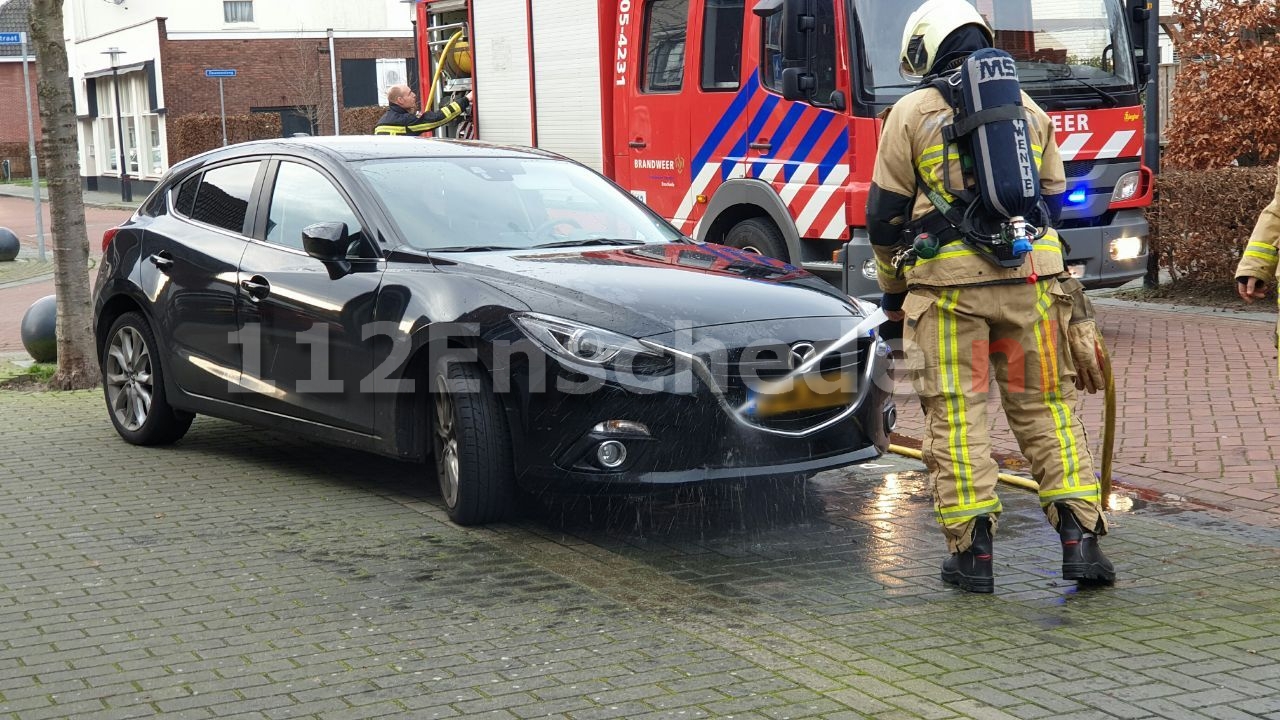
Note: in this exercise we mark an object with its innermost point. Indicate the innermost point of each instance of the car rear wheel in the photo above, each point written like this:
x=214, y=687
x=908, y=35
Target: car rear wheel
x=133, y=383
x=472, y=447
x=758, y=236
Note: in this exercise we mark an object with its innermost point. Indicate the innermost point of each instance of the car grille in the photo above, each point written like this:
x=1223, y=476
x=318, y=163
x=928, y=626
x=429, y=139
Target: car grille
x=739, y=373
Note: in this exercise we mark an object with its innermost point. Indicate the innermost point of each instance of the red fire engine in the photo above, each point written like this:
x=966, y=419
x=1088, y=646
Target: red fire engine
x=753, y=123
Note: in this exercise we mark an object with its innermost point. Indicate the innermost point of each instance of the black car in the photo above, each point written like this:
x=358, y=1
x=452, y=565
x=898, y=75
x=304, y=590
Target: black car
x=507, y=311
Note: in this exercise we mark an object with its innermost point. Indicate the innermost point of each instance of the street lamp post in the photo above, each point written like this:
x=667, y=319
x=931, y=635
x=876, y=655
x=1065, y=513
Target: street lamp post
x=126, y=192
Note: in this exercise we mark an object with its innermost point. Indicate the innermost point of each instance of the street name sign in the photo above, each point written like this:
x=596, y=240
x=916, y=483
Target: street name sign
x=220, y=73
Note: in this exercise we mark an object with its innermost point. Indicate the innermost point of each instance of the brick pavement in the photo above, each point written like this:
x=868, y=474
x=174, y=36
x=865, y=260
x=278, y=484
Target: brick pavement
x=1198, y=407
x=249, y=575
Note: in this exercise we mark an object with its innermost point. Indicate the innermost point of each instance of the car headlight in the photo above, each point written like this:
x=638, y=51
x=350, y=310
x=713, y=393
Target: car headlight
x=1127, y=186
x=588, y=345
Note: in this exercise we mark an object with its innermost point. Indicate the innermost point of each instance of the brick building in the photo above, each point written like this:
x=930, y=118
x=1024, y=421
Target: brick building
x=280, y=53
x=14, y=135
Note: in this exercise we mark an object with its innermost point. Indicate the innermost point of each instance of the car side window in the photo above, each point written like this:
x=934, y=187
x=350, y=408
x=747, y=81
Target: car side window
x=184, y=201
x=303, y=196
x=222, y=199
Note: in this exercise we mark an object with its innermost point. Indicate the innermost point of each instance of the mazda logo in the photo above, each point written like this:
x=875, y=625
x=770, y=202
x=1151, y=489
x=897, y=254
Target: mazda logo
x=800, y=352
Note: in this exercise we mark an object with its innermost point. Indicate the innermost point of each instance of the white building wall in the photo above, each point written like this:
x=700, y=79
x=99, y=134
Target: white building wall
x=88, y=18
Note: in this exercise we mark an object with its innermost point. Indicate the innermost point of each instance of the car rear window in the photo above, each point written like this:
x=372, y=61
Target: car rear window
x=222, y=199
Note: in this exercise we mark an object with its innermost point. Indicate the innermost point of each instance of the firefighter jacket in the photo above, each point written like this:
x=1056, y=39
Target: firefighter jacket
x=398, y=121
x=1259, y=259
x=911, y=142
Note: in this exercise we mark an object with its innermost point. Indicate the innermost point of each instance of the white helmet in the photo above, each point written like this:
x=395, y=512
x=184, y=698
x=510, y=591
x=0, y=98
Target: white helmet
x=929, y=25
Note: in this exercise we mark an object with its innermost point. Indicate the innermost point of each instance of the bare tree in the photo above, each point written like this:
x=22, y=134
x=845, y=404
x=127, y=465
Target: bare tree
x=77, y=362
x=306, y=80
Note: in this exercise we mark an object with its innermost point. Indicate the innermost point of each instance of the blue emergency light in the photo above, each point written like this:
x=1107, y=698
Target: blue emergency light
x=1078, y=196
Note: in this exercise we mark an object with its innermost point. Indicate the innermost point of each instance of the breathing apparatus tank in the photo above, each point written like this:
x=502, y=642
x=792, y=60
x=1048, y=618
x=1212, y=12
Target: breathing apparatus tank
x=991, y=121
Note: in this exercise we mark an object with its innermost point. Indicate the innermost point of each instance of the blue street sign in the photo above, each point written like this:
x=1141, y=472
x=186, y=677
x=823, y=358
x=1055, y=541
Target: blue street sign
x=220, y=73
x=11, y=38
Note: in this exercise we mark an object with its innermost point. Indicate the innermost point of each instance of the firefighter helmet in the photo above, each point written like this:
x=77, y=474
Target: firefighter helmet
x=929, y=25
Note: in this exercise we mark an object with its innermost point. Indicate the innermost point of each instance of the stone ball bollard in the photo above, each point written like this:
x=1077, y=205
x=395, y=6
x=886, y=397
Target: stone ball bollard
x=40, y=330
x=9, y=245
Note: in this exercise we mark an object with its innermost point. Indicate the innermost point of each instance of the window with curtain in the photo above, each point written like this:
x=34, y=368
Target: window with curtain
x=237, y=11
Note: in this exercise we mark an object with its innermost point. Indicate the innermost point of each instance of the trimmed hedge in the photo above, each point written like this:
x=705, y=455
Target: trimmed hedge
x=1202, y=219
x=193, y=134
x=361, y=120
x=19, y=157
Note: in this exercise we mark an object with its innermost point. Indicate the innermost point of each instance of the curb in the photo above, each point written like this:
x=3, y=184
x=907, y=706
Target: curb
x=18, y=191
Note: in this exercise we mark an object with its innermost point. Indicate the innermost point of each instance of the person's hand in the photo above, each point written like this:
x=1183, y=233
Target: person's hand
x=895, y=315
x=471, y=96
x=1251, y=288
x=1087, y=353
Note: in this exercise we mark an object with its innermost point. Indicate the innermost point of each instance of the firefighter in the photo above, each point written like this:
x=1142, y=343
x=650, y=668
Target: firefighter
x=964, y=314
x=1257, y=266
x=402, y=117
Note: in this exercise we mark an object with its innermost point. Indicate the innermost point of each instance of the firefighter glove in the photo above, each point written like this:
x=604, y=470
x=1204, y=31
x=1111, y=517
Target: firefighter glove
x=1087, y=353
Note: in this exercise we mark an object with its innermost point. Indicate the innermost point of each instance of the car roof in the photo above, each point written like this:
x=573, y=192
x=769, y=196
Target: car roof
x=367, y=147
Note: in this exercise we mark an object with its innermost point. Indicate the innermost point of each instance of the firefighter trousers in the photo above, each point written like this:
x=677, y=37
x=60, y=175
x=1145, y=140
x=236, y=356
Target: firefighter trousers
x=956, y=338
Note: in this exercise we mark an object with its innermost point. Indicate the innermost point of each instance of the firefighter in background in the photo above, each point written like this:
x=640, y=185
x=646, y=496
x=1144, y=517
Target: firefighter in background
x=963, y=314
x=1257, y=266
x=402, y=116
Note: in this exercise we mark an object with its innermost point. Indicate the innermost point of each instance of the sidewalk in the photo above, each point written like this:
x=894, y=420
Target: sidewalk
x=92, y=198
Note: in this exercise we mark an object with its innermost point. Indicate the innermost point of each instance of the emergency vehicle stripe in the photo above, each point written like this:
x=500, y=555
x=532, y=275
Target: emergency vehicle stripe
x=1045, y=330
x=1115, y=145
x=797, y=181
x=811, y=138
x=779, y=137
x=835, y=158
x=818, y=202
x=1073, y=144
x=839, y=224
x=699, y=184
x=727, y=120
x=953, y=395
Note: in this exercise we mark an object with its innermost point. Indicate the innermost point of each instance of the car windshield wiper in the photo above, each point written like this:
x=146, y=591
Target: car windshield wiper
x=474, y=248
x=589, y=241
x=1107, y=97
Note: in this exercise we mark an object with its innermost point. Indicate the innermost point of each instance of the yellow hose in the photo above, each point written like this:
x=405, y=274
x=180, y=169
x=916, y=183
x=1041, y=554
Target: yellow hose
x=435, y=77
x=1014, y=480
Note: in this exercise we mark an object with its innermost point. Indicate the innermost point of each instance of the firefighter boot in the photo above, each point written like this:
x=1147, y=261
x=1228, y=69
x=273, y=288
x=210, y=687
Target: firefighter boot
x=1082, y=559
x=971, y=569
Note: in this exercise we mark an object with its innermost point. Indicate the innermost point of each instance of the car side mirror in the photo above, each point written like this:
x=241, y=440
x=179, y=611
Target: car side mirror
x=326, y=241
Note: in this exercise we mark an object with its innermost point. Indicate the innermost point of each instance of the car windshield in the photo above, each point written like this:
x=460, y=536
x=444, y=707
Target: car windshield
x=1059, y=45
x=463, y=203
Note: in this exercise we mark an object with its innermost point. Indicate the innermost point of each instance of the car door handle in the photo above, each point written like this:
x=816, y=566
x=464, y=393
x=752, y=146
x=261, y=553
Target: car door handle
x=162, y=260
x=638, y=144
x=761, y=145
x=257, y=287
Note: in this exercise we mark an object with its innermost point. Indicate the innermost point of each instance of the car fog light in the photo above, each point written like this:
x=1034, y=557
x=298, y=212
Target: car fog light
x=611, y=454
x=621, y=427
x=869, y=269
x=891, y=417
x=1126, y=248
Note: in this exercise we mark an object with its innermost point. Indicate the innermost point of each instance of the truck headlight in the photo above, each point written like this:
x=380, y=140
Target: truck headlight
x=1127, y=187
x=869, y=269
x=1126, y=248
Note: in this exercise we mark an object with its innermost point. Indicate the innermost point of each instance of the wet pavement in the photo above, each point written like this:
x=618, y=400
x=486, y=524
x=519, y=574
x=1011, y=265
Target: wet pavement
x=248, y=574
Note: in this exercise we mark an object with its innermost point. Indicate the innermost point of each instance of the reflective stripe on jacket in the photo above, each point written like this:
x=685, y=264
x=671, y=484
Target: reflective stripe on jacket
x=398, y=121
x=910, y=141
x=1260, y=255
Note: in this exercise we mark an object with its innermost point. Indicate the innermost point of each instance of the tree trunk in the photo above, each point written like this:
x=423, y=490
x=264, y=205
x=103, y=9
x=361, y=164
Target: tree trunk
x=77, y=360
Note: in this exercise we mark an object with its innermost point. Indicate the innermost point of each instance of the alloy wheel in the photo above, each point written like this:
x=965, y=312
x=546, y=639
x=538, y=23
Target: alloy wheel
x=129, y=378
x=446, y=443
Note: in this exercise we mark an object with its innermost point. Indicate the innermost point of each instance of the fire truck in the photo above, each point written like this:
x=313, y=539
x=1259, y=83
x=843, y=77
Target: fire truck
x=754, y=123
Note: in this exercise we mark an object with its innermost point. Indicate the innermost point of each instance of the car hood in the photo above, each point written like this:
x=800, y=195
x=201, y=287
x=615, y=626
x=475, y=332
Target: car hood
x=650, y=289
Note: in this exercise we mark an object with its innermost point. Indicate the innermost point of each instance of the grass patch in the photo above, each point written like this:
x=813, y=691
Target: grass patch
x=26, y=182
x=33, y=377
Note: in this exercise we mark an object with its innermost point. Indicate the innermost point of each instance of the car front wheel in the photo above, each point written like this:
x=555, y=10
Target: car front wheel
x=472, y=447
x=133, y=383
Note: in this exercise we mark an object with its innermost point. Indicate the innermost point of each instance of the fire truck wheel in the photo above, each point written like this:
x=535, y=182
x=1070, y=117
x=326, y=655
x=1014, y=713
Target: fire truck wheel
x=759, y=236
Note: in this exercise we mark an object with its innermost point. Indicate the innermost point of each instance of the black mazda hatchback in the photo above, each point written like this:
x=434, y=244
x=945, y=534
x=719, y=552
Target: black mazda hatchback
x=507, y=312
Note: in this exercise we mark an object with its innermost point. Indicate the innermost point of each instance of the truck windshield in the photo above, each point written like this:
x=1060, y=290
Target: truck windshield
x=1061, y=46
